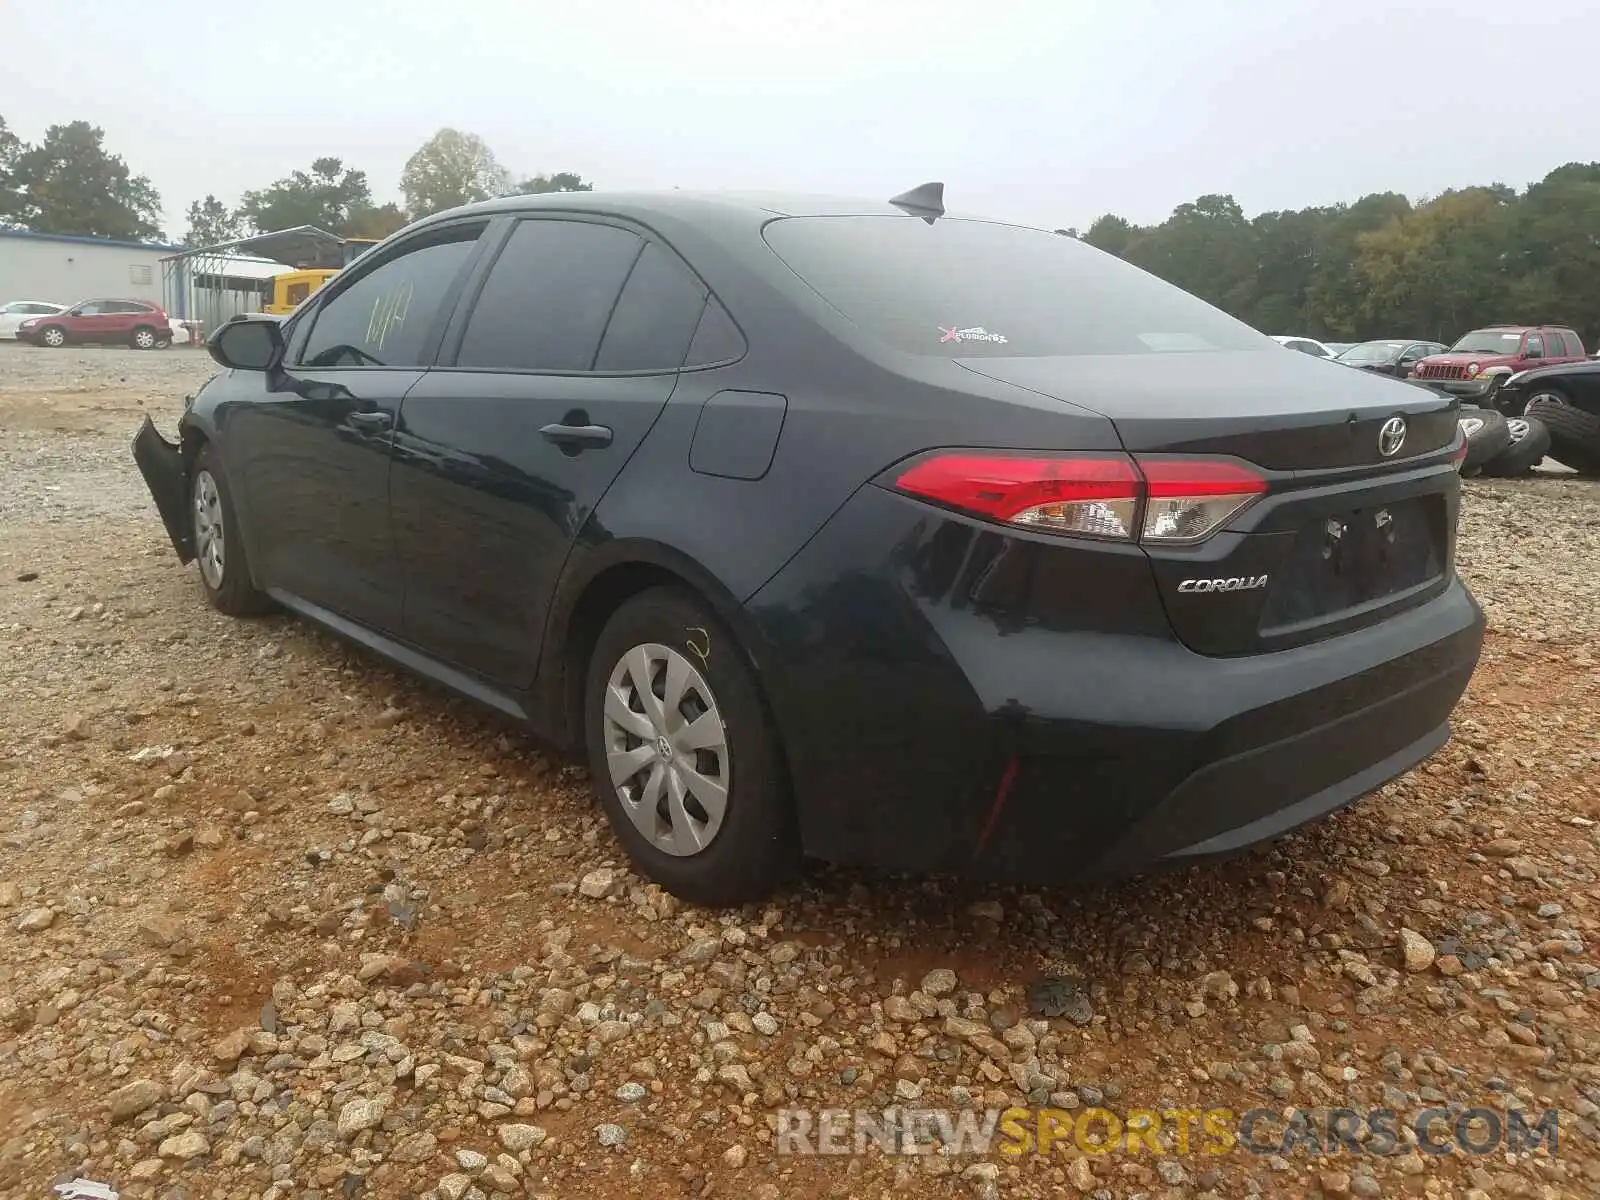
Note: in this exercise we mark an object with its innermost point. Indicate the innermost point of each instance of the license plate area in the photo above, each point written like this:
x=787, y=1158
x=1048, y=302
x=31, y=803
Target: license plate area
x=1354, y=559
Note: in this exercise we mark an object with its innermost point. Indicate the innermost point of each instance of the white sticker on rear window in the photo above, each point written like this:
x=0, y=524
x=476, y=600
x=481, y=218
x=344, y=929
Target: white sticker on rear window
x=969, y=333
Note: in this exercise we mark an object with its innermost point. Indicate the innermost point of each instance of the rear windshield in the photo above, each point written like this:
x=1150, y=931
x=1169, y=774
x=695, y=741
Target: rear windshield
x=978, y=289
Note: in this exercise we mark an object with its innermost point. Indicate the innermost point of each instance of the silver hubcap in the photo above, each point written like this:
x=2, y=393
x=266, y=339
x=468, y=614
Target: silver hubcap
x=1471, y=425
x=667, y=749
x=144, y=339
x=208, y=545
x=54, y=337
x=1518, y=427
x=1547, y=398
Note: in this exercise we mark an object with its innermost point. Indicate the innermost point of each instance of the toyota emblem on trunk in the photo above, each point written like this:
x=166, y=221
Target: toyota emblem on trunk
x=1392, y=436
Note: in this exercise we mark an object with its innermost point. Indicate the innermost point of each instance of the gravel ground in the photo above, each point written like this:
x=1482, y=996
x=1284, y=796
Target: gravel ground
x=277, y=922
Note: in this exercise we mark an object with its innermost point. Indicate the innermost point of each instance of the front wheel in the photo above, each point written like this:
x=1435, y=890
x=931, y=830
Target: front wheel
x=683, y=754
x=218, y=546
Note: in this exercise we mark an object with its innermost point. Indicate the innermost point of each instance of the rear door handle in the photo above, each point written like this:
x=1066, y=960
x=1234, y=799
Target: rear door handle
x=370, y=422
x=578, y=436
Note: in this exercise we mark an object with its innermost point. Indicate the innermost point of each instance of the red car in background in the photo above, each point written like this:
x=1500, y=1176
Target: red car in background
x=136, y=323
x=1466, y=368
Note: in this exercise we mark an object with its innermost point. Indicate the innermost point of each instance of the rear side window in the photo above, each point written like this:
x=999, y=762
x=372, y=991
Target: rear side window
x=717, y=339
x=1574, y=343
x=654, y=318
x=386, y=317
x=958, y=289
x=549, y=296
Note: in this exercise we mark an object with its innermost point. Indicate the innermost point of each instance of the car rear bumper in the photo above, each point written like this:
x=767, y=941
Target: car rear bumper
x=929, y=729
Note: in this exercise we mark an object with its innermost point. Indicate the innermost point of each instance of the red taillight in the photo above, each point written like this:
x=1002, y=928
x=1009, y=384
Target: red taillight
x=1182, y=499
x=1087, y=496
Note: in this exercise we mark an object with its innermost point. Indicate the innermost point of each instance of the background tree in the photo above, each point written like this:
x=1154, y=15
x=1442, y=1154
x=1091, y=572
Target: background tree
x=211, y=223
x=451, y=169
x=561, y=181
x=11, y=149
x=368, y=221
x=68, y=183
x=329, y=196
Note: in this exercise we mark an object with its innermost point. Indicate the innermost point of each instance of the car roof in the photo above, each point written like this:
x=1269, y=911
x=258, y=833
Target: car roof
x=705, y=209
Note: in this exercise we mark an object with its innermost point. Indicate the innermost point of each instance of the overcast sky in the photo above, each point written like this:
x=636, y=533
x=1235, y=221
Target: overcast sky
x=1047, y=112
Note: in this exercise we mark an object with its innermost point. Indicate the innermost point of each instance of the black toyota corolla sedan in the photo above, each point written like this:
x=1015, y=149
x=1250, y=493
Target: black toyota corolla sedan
x=852, y=530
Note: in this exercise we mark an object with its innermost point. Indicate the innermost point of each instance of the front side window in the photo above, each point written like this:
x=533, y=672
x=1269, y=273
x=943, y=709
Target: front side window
x=548, y=297
x=387, y=316
x=958, y=288
x=1535, y=347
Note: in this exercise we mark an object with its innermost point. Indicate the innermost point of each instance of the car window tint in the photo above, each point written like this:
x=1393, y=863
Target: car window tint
x=717, y=339
x=384, y=318
x=90, y=310
x=1555, y=343
x=548, y=297
x=655, y=316
x=961, y=289
x=1574, y=343
x=1535, y=344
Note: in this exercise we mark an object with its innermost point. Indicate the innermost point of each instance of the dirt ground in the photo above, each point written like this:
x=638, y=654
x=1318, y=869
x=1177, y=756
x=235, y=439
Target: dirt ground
x=276, y=921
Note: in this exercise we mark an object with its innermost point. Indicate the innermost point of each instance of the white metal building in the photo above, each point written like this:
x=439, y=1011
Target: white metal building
x=63, y=269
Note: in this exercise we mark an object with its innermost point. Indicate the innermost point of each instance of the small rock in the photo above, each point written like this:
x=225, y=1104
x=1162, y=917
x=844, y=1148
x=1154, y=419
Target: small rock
x=610, y=1135
x=359, y=1115
x=1417, y=949
x=471, y=1161
x=735, y=1156
x=598, y=884
x=35, y=920
x=939, y=982
x=131, y=1099
x=517, y=1138
x=191, y=1143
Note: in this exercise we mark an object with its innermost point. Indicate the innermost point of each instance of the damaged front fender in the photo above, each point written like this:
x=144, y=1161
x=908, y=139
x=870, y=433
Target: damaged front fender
x=167, y=476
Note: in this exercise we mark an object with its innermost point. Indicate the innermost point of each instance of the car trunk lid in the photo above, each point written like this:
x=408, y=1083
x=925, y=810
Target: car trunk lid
x=1351, y=528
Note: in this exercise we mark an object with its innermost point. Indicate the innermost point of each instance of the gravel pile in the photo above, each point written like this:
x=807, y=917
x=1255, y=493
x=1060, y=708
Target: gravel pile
x=277, y=922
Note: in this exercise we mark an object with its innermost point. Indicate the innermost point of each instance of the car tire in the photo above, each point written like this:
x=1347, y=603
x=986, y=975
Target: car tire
x=659, y=783
x=1487, y=435
x=1530, y=442
x=218, y=543
x=53, y=336
x=1574, y=432
x=143, y=338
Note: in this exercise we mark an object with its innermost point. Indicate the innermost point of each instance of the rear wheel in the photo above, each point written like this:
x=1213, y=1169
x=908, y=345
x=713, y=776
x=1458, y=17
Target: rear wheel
x=683, y=754
x=218, y=547
x=53, y=336
x=144, y=338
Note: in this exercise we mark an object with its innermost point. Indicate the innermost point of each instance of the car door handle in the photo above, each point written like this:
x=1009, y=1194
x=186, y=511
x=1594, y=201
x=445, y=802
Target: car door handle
x=578, y=436
x=370, y=422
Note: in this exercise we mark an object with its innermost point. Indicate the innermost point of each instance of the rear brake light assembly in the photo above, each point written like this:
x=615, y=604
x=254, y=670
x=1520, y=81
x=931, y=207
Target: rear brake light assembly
x=1159, y=501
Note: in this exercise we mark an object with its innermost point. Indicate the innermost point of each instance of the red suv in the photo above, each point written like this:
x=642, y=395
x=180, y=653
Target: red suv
x=136, y=323
x=1466, y=368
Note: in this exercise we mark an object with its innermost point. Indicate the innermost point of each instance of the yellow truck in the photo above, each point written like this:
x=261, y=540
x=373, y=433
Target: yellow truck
x=288, y=291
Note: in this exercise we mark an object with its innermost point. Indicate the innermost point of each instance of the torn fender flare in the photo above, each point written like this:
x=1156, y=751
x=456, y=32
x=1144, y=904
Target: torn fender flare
x=165, y=474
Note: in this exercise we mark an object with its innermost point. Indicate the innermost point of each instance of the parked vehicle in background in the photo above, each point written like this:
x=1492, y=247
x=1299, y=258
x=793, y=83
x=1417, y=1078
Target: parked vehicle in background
x=136, y=323
x=1339, y=348
x=18, y=311
x=1465, y=370
x=1303, y=344
x=1565, y=398
x=1395, y=357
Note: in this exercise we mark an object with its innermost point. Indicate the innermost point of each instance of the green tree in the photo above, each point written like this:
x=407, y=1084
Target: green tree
x=11, y=148
x=211, y=223
x=561, y=181
x=68, y=183
x=451, y=169
x=329, y=196
x=371, y=221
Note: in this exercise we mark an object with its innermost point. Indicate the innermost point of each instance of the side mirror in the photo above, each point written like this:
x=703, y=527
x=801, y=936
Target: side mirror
x=247, y=343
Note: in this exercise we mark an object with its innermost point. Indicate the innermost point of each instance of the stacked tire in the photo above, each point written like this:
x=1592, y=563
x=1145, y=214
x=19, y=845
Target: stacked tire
x=1574, y=432
x=1500, y=446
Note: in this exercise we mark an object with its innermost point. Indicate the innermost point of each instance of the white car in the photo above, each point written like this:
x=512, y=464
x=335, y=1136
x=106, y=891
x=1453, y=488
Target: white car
x=1305, y=345
x=18, y=311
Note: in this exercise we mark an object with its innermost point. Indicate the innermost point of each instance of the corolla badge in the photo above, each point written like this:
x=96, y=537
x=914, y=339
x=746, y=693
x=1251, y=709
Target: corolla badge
x=1392, y=436
x=1236, y=583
